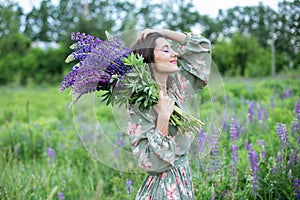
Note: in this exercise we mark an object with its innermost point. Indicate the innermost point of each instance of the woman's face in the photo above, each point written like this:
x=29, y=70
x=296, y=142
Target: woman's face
x=165, y=57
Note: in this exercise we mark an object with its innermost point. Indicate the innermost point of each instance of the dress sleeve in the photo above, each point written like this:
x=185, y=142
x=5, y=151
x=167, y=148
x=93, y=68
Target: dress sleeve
x=195, y=62
x=153, y=151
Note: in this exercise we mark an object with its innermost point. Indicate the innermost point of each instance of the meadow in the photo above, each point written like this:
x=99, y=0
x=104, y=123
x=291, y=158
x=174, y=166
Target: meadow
x=256, y=156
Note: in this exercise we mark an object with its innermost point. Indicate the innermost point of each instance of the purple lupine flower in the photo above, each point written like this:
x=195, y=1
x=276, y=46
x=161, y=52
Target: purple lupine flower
x=266, y=115
x=294, y=157
x=52, y=155
x=116, y=149
x=234, y=165
x=297, y=108
x=129, y=186
x=240, y=129
x=60, y=196
x=283, y=95
x=272, y=102
x=287, y=93
x=296, y=184
x=121, y=142
x=253, y=158
x=282, y=134
x=200, y=140
x=84, y=44
x=295, y=128
x=233, y=130
x=100, y=64
x=215, y=151
x=246, y=145
x=234, y=153
x=259, y=111
x=263, y=149
x=291, y=93
x=251, y=111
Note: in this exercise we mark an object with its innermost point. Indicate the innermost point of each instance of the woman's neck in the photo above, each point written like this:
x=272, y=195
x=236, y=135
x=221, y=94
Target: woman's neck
x=161, y=82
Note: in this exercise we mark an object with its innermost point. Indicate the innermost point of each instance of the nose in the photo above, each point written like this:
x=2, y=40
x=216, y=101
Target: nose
x=174, y=53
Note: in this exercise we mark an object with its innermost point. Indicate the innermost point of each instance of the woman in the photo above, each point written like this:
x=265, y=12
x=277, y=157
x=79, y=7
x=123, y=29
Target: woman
x=158, y=147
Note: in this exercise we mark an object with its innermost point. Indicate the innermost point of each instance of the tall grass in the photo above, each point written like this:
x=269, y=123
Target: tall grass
x=255, y=157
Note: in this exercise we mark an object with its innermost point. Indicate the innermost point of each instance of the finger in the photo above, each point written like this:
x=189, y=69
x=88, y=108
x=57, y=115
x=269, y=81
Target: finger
x=140, y=36
x=161, y=94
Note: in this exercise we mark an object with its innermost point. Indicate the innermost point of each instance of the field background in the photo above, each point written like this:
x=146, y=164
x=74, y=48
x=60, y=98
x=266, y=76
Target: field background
x=36, y=117
x=248, y=148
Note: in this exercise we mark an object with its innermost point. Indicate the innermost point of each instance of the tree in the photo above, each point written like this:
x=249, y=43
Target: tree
x=249, y=20
x=288, y=30
x=179, y=15
x=242, y=55
x=40, y=22
x=10, y=18
x=212, y=28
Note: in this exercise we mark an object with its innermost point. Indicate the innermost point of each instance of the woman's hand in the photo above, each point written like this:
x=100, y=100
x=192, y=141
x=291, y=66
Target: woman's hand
x=164, y=109
x=164, y=106
x=143, y=34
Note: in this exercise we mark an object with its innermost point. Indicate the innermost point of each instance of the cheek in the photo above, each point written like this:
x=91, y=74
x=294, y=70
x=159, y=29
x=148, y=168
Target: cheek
x=159, y=57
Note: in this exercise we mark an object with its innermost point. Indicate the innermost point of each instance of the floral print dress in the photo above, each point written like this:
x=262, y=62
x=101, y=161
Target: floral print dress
x=165, y=158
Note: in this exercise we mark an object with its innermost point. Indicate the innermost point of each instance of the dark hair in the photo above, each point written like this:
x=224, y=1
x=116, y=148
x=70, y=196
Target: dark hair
x=145, y=47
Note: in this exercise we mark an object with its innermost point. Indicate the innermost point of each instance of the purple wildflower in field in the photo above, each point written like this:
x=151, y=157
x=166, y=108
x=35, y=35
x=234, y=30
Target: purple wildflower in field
x=116, y=149
x=263, y=153
x=282, y=134
x=224, y=120
x=119, y=143
x=246, y=145
x=294, y=157
x=215, y=162
x=296, y=184
x=253, y=158
x=272, y=102
x=251, y=106
x=233, y=130
x=297, y=107
x=234, y=154
x=295, y=129
x=129, y=186
x=200, y=140
x=287, y=93
x=259, y=111
x=60, y=196
x=52, y=155
x=234, y=165
x=266, y=115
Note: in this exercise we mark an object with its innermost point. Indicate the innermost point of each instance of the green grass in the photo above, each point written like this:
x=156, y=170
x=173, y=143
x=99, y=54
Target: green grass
x=36, y=117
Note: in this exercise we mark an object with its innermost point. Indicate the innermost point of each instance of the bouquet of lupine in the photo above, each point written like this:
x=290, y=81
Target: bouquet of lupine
x=123, y=77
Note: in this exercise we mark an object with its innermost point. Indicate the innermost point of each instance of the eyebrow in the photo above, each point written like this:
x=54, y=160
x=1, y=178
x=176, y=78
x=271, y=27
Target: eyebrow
x=166, y=45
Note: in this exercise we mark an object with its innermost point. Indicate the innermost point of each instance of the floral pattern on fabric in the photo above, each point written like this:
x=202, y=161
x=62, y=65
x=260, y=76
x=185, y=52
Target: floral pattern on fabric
x=165, y=158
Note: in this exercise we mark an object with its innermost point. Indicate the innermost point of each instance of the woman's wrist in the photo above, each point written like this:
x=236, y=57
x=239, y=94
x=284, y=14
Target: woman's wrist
x=162, y=124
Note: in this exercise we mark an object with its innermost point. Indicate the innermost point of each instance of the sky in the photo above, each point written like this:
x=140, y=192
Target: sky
x=208, y=7
x=211, y=7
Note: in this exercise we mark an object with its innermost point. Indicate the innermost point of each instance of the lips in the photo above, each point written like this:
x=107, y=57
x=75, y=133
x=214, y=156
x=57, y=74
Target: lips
x=173, y=62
